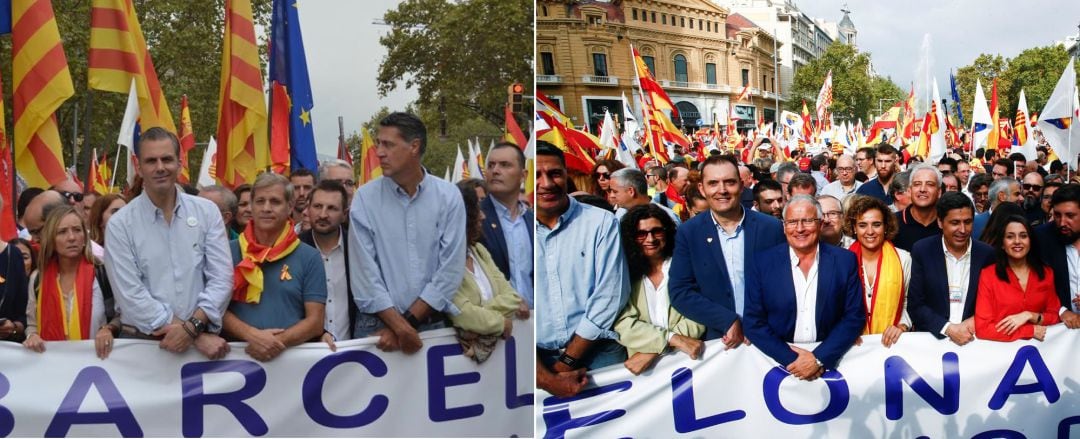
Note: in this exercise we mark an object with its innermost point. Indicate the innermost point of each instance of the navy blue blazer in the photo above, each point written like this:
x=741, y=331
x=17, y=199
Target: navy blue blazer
x=493, y=238
x=769, y=320
x=1053, y=255
x=698, y=282
x=979, y=225
x=928, y=294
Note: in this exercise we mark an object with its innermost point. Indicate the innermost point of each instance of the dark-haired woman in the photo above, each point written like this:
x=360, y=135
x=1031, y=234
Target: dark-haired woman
x=1016, y=294
x=649, y=325
x=601, y=177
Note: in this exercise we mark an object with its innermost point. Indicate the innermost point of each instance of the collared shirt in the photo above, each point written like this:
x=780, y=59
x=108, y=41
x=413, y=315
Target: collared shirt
x=819, y=180
x=837, y=190
x=1073, y=257
x=733, y=246
x=289, y=284
x=403, y=248
x=582, y=271
x=159, y=270
x=656, y=297
x=805, y=299
x=911, y=230
x=874, y=188
x=337, y=289
x=518, y=248
x=959, y=272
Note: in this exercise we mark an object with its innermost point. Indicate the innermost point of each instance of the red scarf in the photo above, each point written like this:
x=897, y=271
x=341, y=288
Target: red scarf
x=51, y=322
x=248, y=275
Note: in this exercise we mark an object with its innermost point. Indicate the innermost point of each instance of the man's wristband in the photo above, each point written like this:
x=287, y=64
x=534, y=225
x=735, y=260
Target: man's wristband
x=571, y=362
x=413, y=321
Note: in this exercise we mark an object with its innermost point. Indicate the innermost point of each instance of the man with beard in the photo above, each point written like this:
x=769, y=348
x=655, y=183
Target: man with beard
x=303, y=181
x=945, y=273
x=769, y=197
x=1061, y=250
x=919, y=220
x=885, y=163
x=583, y=275
x=327, y=211
x=714, y=251
x=1032, y=187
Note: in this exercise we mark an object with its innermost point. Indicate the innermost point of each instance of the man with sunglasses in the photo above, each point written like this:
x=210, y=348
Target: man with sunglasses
x=71, y=192
x=1032, y=188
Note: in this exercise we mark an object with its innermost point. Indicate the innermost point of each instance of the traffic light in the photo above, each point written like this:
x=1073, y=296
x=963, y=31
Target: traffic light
x=516, y=90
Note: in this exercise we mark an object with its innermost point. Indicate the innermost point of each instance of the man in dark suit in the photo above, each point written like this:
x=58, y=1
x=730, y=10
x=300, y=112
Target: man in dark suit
x=508, y=222
x=804, y=292
x=327, y=211
x=1061, y=249
x=945, y=273
x=714, y=252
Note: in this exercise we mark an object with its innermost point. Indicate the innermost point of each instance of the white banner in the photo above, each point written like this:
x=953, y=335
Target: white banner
x=141, y=390
x=919, y=387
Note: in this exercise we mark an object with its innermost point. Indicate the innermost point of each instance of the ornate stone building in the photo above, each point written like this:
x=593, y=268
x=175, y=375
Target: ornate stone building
x=700, y=53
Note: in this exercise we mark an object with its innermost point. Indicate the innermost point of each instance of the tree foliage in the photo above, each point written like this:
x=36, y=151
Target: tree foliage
x=1035, y=70
x=184, y=38
x=855, y=91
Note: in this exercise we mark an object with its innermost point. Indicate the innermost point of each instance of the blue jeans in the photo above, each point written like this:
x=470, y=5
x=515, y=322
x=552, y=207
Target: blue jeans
x=604, y=352
x=368, y=324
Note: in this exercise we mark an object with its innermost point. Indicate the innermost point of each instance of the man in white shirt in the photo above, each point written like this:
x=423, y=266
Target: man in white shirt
x=327, y=210
x=845, y=183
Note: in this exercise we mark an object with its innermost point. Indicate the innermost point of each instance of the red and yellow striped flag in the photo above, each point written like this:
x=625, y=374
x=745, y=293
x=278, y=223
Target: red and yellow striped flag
x=118, y=56
x=369, y=161
x=242, y=120
x=42, y=83
x=187, y=140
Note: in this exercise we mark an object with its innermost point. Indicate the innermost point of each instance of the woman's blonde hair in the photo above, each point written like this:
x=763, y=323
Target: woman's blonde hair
x=49, y=230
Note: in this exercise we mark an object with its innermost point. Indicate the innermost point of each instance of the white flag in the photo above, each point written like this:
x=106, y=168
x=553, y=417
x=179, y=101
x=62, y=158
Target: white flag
x=206, y=170
x=1028, y=148
x=980, y=115
x=126, y=137
x=1059, y=115
x=937, y=139
x=459, y=167
x=824, y=97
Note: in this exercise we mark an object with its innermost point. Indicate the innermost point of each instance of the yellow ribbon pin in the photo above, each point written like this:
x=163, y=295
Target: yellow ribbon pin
x=285, y=273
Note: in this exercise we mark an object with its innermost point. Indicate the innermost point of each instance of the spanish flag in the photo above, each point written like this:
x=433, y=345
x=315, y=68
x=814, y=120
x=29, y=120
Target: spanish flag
x=187, y=140
x=42, y=83
x=992, y=140
x=371, y=168
x=118, y=56
x=243, y=150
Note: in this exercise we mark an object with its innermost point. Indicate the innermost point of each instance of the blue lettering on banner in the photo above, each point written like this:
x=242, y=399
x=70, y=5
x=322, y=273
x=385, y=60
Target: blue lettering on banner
x=1065, y=426
x=513, y=400
x=194, y=400
x=557, y=410
x=116, y=411
x=1000, y=434
x=682, y=405
x=898, y=371
x=7, y=419
x=316, y=379
x=439, y=381
x=1044, y=381
x=838, y=399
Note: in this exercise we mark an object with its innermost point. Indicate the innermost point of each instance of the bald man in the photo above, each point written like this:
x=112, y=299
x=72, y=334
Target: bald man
x=39, y=207
x=71, y=191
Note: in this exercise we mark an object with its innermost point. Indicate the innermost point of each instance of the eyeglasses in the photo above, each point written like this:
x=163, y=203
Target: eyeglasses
x=945, y=171
x=656, y=232
x=833, y=214
x=602, y=175
x=845, y=169
x=73, y=196
x=805, y=222
x=1032, y=187
x=650, y=175
x=346, y=183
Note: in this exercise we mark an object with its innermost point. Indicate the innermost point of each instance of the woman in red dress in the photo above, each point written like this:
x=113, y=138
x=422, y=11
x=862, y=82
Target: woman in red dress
x=1016, y=294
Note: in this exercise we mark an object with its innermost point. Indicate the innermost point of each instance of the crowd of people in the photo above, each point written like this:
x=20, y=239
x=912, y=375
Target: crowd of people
x=278, y=262
x=642, y=261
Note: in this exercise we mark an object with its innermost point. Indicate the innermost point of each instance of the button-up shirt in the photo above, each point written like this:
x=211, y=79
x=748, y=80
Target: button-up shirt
x=656, y=297
x=837, y=190
x=733, y=246
x=1073, y=257
x=583, y=275
x=518, y=248
x=337, y=289
x=161, y=269
x=406, y=247
x=959, y=272
x=805, y=299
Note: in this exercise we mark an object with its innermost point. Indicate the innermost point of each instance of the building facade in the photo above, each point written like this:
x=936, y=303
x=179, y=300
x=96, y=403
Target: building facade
x=702, y=56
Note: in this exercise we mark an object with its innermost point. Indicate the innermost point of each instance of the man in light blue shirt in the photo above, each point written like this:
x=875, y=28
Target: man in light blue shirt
x=583, y=281
x=508, y=222
x=168, y=258
x=407, y=241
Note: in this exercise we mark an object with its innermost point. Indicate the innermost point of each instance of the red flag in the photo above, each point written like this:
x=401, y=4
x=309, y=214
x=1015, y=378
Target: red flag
x=8, y=230
x=513, y=130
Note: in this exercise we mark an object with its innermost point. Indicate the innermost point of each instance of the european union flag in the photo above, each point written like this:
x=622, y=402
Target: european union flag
x=1062, y=124
x=288, y=68
x=5, y=17
x=956, y=98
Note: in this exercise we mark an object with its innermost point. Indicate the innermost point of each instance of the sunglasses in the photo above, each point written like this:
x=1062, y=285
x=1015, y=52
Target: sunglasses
x=1032, y=187
x=74, y=196
x=656, y=232
x=603, y=175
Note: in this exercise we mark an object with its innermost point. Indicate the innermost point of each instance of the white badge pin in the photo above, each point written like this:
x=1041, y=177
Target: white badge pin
x=192, y=222
x=709, y=240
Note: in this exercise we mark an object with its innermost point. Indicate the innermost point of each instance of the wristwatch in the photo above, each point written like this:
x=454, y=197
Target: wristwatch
x=413, y=321
x=819, y=363
x=572, y=362
x=200, y=327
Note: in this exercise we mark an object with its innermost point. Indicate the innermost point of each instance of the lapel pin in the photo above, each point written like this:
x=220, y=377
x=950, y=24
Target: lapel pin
x=709, y=240
x=494, y=226
x=285, y=275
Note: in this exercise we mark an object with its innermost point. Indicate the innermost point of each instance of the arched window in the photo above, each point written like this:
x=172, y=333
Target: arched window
x=680, y=68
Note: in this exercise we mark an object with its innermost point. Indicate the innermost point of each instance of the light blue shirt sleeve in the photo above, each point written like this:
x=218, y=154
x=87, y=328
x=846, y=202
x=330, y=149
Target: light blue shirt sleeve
x=140, y=308
x=612, y=286
x=369, y=291
x=214, y=298
x=439, y=292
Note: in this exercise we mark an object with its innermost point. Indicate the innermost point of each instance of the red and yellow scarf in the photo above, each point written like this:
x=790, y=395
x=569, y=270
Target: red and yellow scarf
x=52, y=320
x=886, y=302
x=248, y=275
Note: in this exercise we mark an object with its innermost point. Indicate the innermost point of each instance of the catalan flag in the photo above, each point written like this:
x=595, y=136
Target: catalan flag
x=807, y=123
x=649, y=87
x=242, y=120
x=992, y=140
x=513, y=133
x=98, y=182
x=290, y=92
x=41, y=83
x=369, y=161
x=118, y=56
x=187, y=140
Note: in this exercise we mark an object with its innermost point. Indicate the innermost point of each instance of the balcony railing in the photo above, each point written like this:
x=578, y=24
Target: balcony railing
x=600, y=80
x=548, y=79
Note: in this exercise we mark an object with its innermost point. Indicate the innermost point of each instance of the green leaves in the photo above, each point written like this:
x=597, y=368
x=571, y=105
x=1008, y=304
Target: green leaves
x=855, y=92
x=1035, y=70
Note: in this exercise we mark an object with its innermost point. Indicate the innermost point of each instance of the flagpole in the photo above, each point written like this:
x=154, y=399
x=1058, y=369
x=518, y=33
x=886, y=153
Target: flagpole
x=115, y=168
x=641, y=95
x=86, y=131
x=1068, y=163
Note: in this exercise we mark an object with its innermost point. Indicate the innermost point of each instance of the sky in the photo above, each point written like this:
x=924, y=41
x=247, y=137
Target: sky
x=893, y=32
x=343, y=55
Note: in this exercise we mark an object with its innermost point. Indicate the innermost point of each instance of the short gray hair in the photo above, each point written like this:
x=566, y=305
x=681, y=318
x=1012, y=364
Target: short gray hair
x=1000, y=186
x=227, y=196
x=925, y=167
x=333, y=163
x=632, y=178
x=803, y=198
x=787, y=168
x=900, y=182
x=267, y=179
